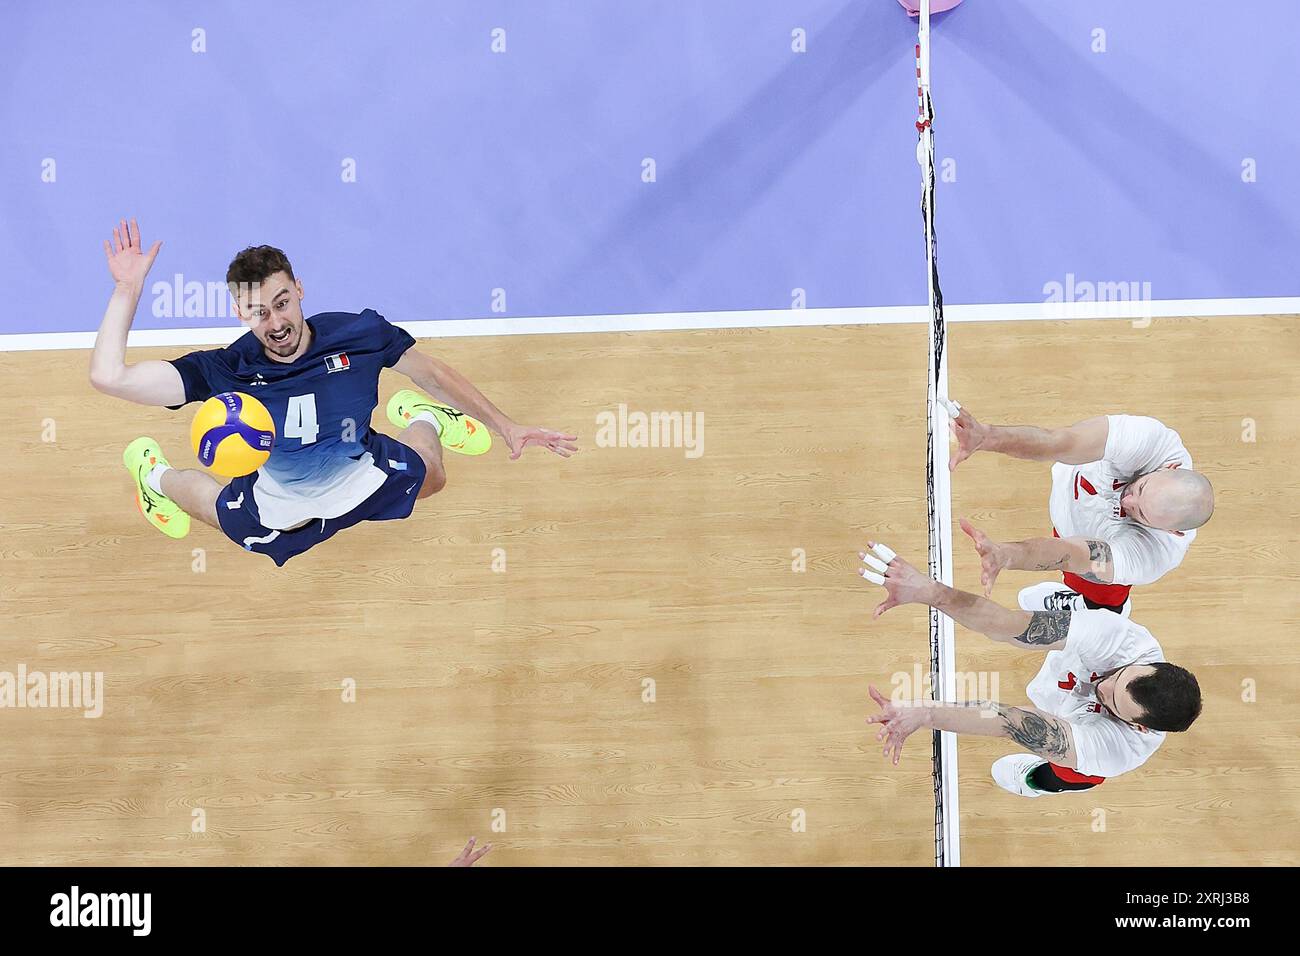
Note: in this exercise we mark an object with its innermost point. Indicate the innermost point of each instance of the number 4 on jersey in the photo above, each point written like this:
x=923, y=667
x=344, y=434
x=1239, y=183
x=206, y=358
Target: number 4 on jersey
x=300, y=418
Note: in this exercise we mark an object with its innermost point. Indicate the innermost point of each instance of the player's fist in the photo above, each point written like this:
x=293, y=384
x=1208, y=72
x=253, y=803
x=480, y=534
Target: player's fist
x=993, y=556
x=971, y=436
x=127, y=260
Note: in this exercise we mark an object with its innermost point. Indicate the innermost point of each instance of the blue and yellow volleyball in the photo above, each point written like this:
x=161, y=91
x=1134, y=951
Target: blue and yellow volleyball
x=233, y=434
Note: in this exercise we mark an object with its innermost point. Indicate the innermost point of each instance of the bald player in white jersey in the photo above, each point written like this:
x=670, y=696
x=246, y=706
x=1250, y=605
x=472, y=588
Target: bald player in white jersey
x=1125, y=504
x=1103, y=700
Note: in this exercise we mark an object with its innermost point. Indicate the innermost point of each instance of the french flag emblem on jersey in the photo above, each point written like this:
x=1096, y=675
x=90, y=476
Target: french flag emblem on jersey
x=337, y=363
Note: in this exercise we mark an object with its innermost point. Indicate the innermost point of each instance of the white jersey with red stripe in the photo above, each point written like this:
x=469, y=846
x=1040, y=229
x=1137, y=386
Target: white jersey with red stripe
x=1085, y=499
x=1098, y=642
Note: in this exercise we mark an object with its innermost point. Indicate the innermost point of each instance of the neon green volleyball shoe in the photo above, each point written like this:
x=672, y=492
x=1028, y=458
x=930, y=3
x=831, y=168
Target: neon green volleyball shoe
x=460, y=433
x=163, y=513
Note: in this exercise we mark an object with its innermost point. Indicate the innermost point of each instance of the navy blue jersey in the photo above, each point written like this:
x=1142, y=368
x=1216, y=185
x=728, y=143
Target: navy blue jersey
x=325, y=395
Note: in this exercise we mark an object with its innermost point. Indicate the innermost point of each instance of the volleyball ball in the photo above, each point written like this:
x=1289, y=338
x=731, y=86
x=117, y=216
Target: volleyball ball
x=232, y=434
x=913, y=7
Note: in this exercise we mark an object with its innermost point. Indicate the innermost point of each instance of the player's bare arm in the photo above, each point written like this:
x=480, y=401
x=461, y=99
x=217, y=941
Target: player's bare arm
x=1090, y=558
x=1076, y=445
x=1041, y=734
x=148, y=383
x=445, y=383
x=904, y=584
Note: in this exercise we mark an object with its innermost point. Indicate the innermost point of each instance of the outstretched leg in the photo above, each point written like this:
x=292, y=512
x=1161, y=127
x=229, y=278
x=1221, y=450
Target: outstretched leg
x=427, y=426
x=194, y=491
x=165, y=496
x=422, y=436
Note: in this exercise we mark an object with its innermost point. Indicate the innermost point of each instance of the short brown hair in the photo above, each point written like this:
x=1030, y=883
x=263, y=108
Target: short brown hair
x=256, y=264
x=1170, y=697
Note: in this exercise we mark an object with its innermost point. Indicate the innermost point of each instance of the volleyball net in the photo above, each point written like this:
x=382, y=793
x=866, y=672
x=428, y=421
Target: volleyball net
x=947, y=838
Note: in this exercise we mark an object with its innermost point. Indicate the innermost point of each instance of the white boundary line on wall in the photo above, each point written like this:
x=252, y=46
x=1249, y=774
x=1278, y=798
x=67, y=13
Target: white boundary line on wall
x=671, y=321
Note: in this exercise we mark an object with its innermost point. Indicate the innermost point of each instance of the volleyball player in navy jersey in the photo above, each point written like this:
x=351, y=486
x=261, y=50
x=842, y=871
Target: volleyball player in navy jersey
x=319, y=378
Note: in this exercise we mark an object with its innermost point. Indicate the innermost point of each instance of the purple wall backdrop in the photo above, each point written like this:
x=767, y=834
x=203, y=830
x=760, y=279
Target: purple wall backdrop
x=522, y=170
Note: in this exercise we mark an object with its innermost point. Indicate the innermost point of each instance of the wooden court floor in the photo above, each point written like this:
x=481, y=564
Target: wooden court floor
x=512, y=704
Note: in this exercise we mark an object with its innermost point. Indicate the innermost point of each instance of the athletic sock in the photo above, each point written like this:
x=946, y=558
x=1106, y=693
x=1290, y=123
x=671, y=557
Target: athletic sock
x=428, y=417
x=154, y=478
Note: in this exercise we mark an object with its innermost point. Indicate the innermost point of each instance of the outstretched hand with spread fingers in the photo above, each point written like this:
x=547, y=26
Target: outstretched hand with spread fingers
x=897, y=723
x=469, y=856
x=127, y=262
x=903, y=583
x=993, y=556
x=519, y=437
x=971, y=434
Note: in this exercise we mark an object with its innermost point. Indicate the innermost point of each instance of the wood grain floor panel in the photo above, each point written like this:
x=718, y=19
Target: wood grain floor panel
x=521, y=693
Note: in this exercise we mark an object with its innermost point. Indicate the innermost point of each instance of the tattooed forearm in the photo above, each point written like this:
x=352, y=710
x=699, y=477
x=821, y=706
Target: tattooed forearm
x=1045, y=627
x=1050, y=565
x=1038, y=732
x=1042, y=735
x=1099, y=560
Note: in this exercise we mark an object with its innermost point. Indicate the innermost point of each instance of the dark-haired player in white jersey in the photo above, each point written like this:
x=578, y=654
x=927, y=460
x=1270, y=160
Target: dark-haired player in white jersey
x=1124, y=505
x=318, y=377
x=1102, y=702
